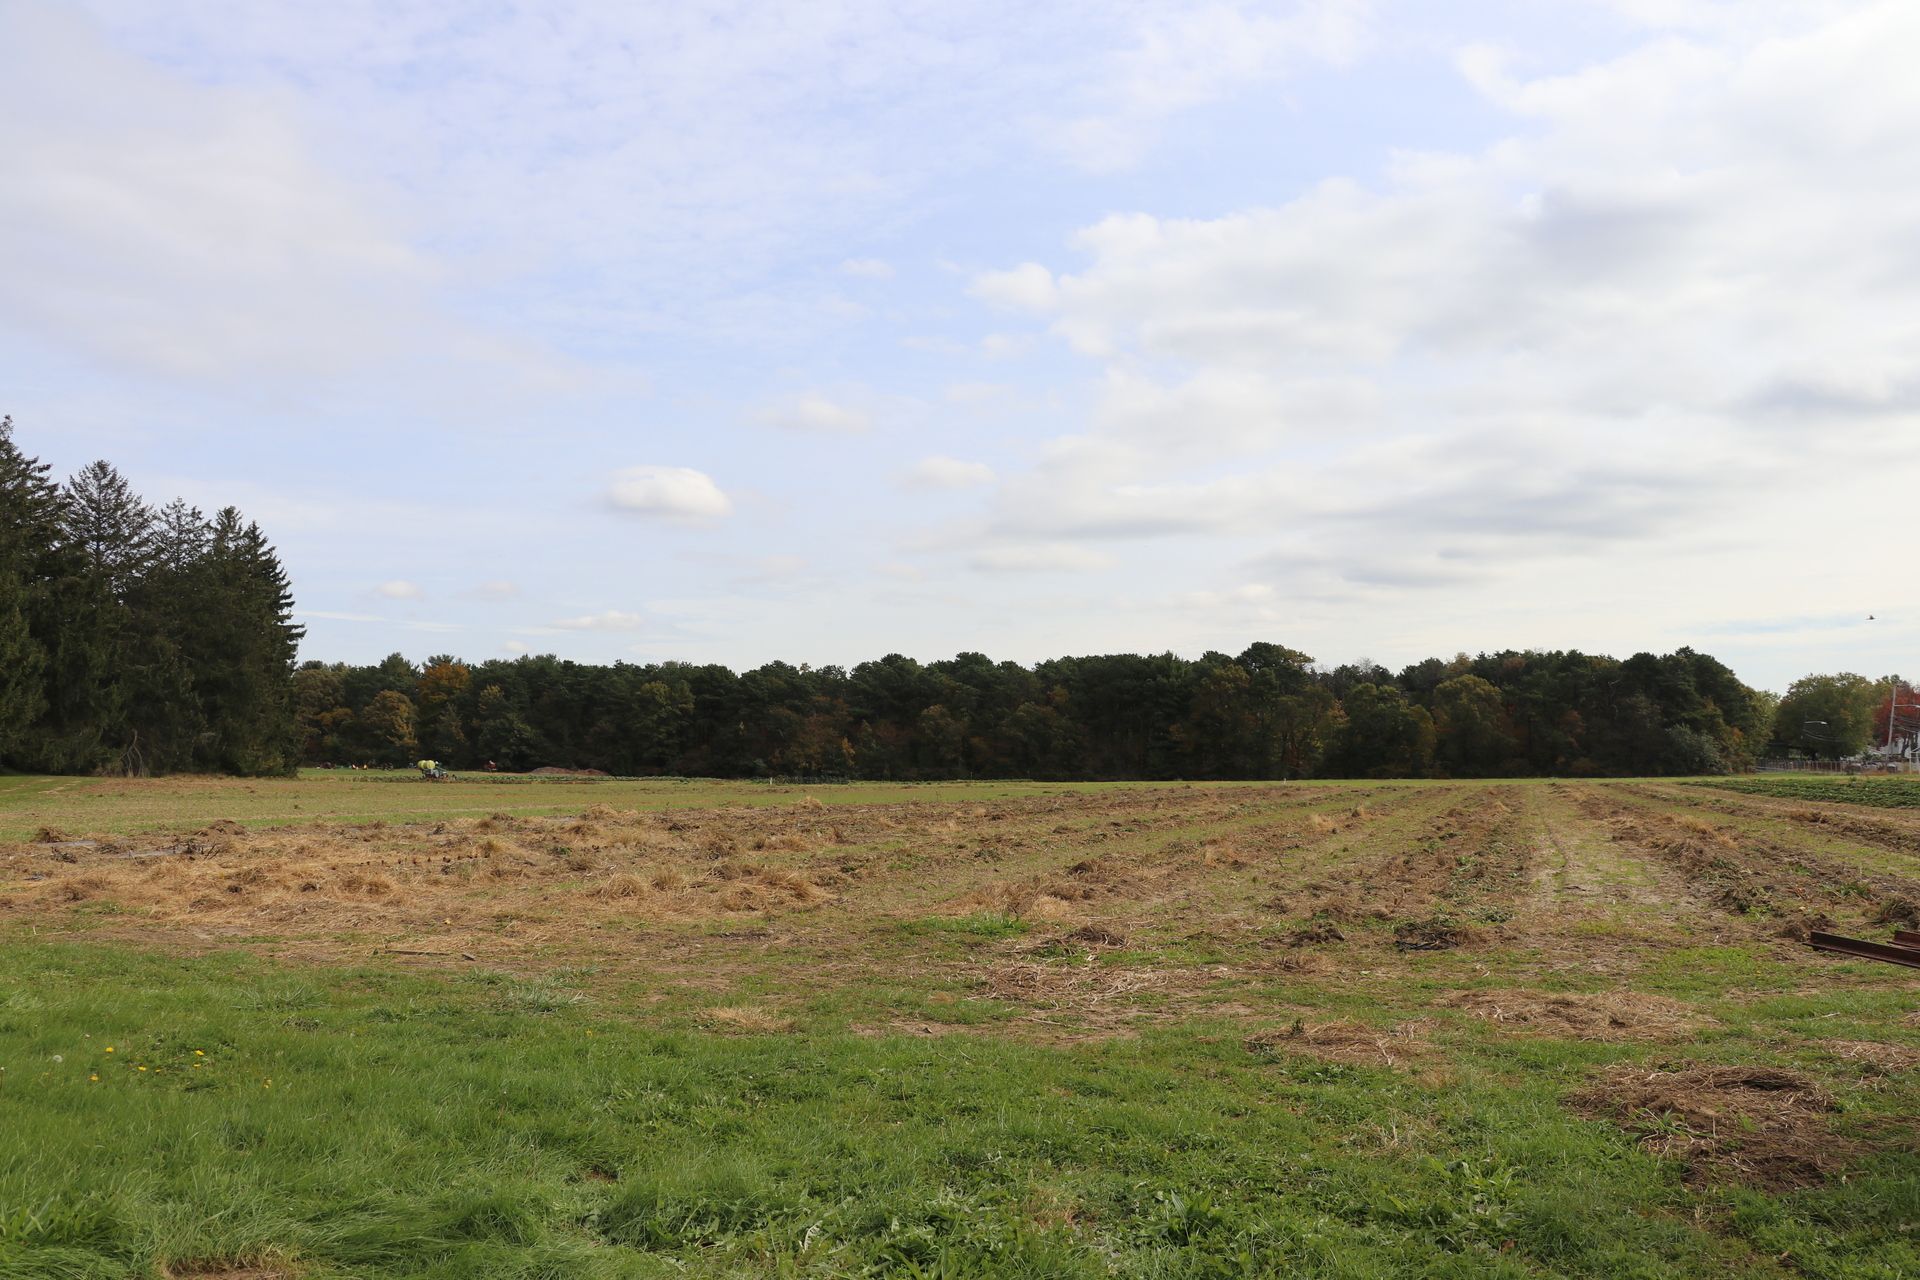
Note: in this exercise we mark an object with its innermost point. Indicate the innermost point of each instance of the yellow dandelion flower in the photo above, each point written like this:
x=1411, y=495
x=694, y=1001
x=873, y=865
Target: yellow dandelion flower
x=143, y=1068
x=201, y=1052
x=109, y=1048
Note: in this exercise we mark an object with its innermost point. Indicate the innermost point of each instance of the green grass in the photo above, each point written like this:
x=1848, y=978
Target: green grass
x=363, y=1123
x=1878, y=793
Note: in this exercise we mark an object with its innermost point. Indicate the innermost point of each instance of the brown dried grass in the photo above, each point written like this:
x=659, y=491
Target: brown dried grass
x=1607, y=1015
x=622, y=886
x=1767, y=1126
x=1882, y=1058
x=748, y=1019
x=1344, y=1041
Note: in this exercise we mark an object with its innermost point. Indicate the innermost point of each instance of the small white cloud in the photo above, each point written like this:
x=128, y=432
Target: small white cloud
x=513, y=646
x=400, y=591
x=812, y=411
x=1028, y=287
x=872, y=268
x=946, y=473
x=337, y=617
x=611, y=620
x=901, y=570
x=1058, y=557
x=668, y=493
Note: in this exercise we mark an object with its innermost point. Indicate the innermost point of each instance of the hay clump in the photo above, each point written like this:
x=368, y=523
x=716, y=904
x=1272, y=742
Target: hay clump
x=1883, y=1059
x=1437, y=933
x=1607, y=1015
x=622, y=886
x=1343, y=1041
x=1802, y=927
x=1766, y=1126
x=1054, y=985
x=1896, y=909
x=1311, y=935
x=1095, y=935
x=741, y=897
x=748, y=1019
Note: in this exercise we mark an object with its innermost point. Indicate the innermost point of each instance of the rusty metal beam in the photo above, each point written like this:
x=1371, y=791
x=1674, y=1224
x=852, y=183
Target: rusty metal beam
x=1909, y=956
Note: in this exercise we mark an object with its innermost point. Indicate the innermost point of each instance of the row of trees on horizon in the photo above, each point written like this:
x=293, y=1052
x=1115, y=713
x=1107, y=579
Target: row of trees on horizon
x=1268, y=712
x=139, y=640
x=136, y=639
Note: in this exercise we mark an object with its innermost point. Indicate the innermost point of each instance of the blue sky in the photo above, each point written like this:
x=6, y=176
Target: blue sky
x=818, y=331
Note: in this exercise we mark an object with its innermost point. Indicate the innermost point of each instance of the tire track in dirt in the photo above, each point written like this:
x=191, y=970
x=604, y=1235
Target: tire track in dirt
x=1580, y=866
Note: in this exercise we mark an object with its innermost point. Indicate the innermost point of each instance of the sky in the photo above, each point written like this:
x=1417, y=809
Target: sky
x=824, y=329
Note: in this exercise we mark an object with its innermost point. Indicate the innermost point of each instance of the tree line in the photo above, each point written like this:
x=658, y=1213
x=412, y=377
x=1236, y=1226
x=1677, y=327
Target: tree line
x=1266, y=713
x=136, y=639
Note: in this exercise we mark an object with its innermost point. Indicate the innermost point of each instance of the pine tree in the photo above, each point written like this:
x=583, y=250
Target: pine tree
x=94, y=665
x=29, y=535
x=165, y=721
x=110, y=525
x=241, y=649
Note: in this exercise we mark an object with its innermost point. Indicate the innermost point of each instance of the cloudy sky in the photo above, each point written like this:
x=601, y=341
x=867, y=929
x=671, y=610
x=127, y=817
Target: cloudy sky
x=822, y=329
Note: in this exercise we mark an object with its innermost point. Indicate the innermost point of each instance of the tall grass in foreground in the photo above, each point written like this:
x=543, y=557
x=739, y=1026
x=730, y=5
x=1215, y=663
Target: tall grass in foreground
x=362, y=1124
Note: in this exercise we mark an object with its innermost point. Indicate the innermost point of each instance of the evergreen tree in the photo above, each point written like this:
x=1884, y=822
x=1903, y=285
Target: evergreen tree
x=241, y=648
x=29, y=535
x=134, y=641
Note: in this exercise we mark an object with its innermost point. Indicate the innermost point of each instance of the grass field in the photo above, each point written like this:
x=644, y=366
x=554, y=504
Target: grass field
x=355, y=1026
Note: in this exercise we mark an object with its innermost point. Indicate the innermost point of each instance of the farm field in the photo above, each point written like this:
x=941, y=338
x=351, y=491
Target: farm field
x=356, y=1026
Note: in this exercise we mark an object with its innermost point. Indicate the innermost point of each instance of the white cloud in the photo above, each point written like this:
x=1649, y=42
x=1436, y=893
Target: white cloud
x=900, y=571
x=872, y=268
x=1027, y=287
x=515, y=647
x=611, y=620
x=400, y=591
x=1684, y=298
x=811, y=411
x=946, y=473
x=677, y=494
x=336, y=617
x=1040, y=558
